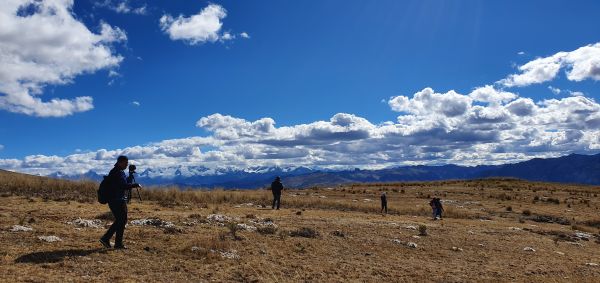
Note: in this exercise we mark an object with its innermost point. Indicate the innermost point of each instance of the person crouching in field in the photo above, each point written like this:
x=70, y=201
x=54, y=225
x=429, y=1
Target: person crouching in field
x=117, y=202
x=276, y=188
x=436, y=207
x=433, y=208
x=383, y=203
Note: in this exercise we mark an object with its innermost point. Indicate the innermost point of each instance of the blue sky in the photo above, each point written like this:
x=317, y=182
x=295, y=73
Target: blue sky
x=302, y=62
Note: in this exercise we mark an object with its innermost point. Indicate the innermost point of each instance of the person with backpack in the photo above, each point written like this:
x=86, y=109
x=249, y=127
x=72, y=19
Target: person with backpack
x=115, y=194
x=383, y=203
x=276, y=188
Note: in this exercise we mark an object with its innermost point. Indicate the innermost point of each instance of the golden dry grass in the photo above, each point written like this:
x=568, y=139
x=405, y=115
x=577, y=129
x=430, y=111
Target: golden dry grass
x=354, y=242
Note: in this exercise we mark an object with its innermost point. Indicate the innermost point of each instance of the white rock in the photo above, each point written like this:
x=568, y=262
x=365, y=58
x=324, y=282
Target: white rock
x=19, y=228
x=412, y=245
x=411, y=227
x=560, y=253
x=481, y=245
x=582, y=235
x=529, y=249
x=152, y=222
x=515, y=228
x=396, y=241
x=87, y=223
x=195, y=249
x=50, y=239
x=220, y=218
x=456, y=249
x=591, y=264
x=244, y=226
x=416, y=237
x=230, y=254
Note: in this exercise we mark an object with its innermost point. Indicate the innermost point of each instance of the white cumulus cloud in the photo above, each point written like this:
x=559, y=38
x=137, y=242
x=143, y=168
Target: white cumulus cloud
x=580, y=64
x=42, y=43
x=196, y=29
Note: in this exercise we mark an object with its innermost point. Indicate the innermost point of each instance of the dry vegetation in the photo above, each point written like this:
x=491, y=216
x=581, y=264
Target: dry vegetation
x=494, y=230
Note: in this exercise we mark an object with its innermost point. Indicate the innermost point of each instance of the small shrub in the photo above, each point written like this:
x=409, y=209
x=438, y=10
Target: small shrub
x=305, y=232
x=233, y=229
x=526, y=212
x=266, y=230
x=338, y=233
x=422, y=230
x=509, y=208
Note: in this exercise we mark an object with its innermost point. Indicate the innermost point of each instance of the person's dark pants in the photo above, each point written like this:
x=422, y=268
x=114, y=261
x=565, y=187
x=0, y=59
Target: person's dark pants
x=384, y=206
x=276, y=199
x=438, y=212
x=119, y=211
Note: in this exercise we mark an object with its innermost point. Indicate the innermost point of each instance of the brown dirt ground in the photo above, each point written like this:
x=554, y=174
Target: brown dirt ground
x=491, y=238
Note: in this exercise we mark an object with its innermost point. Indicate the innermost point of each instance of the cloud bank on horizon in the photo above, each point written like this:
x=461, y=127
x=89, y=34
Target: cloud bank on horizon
x=489, y=125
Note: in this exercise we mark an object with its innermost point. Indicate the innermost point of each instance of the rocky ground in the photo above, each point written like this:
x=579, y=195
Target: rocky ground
x=491, y=234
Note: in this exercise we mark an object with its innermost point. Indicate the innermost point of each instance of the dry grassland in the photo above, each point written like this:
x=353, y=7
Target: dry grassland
x=320, y=235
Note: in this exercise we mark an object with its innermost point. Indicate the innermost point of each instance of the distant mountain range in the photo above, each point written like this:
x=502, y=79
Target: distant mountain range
x=574, y=168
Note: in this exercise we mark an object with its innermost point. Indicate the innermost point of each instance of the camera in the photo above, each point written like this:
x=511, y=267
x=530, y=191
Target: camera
x=132, y=169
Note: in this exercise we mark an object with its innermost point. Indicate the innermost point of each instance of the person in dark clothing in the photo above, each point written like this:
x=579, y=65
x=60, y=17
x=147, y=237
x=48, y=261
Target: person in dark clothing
x=383, y=203
x=439, y=208
x=432, y=203
x=117, y=202
x=276, y=188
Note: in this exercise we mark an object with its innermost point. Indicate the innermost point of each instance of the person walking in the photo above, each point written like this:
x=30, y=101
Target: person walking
x=276, y=188
x=383, y=203
x=117, y=202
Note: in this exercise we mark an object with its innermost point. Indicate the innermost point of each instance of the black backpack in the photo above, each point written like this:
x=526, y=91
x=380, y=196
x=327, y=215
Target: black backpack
x=103, y=190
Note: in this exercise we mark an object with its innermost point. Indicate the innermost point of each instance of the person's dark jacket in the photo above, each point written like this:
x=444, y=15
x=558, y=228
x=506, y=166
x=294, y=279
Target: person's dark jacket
x=118, y=184
x=383, y=198
x=276, y=187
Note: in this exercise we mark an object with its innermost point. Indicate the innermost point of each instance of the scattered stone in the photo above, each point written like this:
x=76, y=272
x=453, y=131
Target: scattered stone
x=19, y=228
x=411, y=227
x=87, y=223
x=583, y=236
x=560, y=253
x=259, y=222
x=322, y=197
x=50, y=239
x=218, y=218
x=416, y=237
x=152, y=222
x=515, y=228
x=244, y=226
x=471, y=232
x=195, y=249
x=591, y=264
x=457, y=249
x=229, y=254
x=367, y=200
x=529, y=249
x=481, y=245
x=412, y=245
x=396, y=241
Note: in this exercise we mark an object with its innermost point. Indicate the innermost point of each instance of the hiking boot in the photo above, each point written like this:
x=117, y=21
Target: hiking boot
x=120, y=247
x=105, y=243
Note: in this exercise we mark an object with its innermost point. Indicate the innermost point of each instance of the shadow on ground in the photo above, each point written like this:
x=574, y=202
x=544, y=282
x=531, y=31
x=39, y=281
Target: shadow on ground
x=55, y=256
